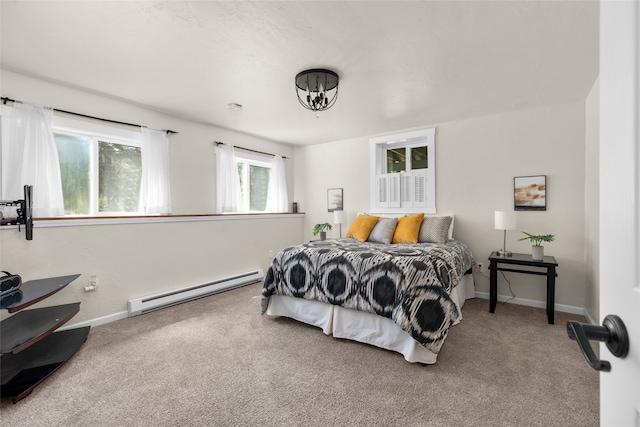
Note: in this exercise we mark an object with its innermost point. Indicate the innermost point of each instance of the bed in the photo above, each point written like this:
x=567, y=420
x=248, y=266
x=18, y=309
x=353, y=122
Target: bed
x=402, y=297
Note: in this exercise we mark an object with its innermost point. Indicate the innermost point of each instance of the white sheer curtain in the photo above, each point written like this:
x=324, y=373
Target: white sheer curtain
x=32, y=159
x=277, y=199
x=228, y=192
x=155, y=189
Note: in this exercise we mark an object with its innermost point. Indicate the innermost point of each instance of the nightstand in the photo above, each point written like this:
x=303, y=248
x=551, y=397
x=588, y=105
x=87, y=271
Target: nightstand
x=546, y=267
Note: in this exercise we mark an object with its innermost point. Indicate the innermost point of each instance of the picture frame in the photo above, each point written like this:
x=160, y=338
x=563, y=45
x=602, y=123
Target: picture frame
x=530, y=193
x=334, y=199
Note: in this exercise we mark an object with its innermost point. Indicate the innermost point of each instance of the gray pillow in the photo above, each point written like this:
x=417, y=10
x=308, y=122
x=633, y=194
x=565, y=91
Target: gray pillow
x=434, y=229
x=383, y=231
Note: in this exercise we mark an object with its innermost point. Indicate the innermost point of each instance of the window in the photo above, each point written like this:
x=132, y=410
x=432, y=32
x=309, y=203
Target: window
x=115, y=185
x=249, y=181
x=403, y=172
x=100, y=167
x=255, y=172
x=104, y=169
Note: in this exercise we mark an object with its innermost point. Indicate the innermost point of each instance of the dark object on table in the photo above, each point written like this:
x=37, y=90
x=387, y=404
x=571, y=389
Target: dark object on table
x=9, y=283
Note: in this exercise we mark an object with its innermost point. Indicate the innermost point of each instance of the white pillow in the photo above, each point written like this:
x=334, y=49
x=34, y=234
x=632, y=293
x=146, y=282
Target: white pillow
x=383, y=231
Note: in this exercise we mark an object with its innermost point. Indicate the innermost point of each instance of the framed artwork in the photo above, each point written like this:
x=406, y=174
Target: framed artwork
x=334, y=199
x=530, y=193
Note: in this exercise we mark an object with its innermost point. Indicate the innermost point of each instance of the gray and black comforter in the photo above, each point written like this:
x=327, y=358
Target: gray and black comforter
x=410, y=284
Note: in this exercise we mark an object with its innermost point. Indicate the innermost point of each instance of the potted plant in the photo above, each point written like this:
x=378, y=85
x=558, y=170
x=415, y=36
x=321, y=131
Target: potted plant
x=322, y=229
x=537, y=250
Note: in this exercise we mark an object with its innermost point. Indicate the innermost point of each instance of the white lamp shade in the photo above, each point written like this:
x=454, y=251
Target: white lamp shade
x=505, y=220
x=339, y=217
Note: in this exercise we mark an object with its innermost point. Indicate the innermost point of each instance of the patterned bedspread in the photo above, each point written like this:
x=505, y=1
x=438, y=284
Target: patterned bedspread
x=410, y=284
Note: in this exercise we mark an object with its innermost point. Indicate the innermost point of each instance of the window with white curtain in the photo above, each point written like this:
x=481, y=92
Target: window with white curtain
x=262, y=182
x=99, y=175
x=261, y=179
x=101, y=169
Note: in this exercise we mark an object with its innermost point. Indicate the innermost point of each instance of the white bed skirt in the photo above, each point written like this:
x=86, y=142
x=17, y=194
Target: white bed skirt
x=364, y=327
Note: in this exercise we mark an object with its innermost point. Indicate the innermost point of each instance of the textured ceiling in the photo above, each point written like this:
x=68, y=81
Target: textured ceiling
x=401, y=64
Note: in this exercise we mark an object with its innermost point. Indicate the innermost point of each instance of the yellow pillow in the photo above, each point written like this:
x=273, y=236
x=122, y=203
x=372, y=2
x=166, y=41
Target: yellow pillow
x=362, y=226
x=408, y=229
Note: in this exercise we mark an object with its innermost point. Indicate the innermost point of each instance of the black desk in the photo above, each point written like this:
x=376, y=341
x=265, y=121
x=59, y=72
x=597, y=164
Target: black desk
x=549, y=264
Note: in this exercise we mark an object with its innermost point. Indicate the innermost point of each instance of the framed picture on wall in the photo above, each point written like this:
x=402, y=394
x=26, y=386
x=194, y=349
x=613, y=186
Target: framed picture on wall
x=530, y=193
x=334, y=199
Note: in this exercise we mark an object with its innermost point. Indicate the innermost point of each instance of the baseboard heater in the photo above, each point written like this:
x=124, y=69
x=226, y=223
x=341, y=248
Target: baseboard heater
x=137, y=306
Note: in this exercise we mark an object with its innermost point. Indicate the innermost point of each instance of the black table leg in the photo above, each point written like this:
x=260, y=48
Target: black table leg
x=551, y=293
x=493, y=286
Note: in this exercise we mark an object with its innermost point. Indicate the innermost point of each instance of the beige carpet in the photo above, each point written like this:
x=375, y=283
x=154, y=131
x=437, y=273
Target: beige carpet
x=218, y=362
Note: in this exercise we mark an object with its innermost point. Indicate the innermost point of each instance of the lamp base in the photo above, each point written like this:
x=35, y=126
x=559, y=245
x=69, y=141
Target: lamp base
x=504, y=254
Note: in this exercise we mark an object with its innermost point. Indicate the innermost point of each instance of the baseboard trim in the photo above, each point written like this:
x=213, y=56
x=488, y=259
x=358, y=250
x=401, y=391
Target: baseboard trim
x=98, y=321
x=532, y=303
x=589, y=319
x=484, y=295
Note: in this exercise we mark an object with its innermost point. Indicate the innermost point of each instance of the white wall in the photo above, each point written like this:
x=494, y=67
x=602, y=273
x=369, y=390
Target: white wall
x=592, y=204
x=191, y=151
x=133, y=260
x=476, y=161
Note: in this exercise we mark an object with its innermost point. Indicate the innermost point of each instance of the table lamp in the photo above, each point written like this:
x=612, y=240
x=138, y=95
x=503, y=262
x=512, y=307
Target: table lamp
x=505, y=221
x=339, y=217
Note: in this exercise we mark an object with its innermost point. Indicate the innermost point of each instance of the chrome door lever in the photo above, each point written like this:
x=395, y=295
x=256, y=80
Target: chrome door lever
x=612, y=332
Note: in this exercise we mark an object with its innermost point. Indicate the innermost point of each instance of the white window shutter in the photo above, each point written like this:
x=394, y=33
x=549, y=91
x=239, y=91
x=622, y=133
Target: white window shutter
x=394, y=190
x=419, y=180
x=406, y=195
x=382, y=191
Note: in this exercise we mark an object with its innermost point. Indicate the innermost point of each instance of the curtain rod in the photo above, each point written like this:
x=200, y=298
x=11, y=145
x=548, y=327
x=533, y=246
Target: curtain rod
x=249, y=149
x=5, y=100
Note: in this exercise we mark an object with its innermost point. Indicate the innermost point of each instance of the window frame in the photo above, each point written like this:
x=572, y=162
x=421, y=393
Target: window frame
x=96, y=133
x=250, y=159
x=394, y=182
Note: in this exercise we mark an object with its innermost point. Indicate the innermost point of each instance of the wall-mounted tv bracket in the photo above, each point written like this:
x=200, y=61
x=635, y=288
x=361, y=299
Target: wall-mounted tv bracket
x=24, y=211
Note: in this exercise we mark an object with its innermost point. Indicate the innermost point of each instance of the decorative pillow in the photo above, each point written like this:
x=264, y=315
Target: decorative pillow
x=383, y=230
x=407, y=229
x=362, y=226
x=434, y=229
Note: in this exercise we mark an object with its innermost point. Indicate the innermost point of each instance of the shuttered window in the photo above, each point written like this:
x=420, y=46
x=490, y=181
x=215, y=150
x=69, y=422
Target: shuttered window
x=403, y=172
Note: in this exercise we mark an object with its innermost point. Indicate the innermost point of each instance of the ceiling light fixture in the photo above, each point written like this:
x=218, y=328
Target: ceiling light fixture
x=317, y=89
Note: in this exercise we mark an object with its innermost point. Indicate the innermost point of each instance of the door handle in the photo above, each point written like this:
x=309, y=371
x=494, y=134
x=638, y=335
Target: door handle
x=612, y=332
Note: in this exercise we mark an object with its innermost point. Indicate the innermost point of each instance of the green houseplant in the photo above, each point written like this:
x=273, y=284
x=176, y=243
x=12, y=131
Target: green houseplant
x=537, y=250
x=322, y=230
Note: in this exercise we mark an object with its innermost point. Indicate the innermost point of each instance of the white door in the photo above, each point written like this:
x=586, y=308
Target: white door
x=620, y=204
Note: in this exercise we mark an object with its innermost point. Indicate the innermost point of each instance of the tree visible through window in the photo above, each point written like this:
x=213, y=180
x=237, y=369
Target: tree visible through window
x=119, y=177
x=254, y=183
x=259, y=187
x=75, y=171
x=98, y=176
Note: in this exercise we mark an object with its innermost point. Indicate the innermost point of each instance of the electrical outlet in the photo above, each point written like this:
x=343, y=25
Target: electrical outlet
x=93, y=284
x=479, y=267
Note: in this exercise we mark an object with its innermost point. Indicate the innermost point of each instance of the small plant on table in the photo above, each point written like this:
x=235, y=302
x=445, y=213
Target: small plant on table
x=322, y=230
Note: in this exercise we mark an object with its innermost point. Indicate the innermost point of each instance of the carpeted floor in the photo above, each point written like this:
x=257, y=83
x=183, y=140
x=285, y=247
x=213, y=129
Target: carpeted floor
x=218, y=362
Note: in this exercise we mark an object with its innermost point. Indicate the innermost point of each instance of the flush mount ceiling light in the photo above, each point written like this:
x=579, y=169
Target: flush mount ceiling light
x=317, y=89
